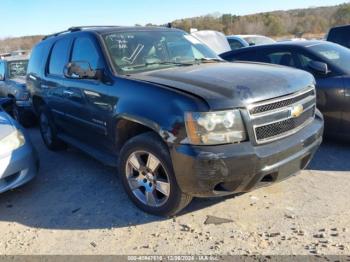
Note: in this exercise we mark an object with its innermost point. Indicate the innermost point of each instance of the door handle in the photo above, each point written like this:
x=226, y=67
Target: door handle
x=67, y=92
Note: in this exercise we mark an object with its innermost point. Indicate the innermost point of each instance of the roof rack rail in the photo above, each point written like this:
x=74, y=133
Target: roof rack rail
x=79, y=28
x=76, y=29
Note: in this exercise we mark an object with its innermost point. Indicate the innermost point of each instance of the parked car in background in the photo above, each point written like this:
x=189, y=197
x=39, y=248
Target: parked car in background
x=340, y=35
x=175, y=119
x=215, y=40
x=13, y=70
x=328, y=62
x=240, y=41
x=293, y=39
x=18, y=159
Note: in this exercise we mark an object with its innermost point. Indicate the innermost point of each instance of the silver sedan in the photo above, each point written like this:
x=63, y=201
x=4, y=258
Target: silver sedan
x=18, y=159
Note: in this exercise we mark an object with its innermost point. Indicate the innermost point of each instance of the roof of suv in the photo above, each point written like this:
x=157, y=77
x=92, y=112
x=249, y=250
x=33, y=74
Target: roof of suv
x=109, y=29
x=340, y=26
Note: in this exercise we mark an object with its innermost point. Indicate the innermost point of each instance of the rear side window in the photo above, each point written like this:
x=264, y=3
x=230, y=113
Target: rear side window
x=85, y=50
x=59, y=57
x=38, y=56
x=340, y=36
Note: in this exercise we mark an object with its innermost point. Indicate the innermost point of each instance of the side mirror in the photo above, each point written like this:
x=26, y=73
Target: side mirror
x=319, y=67
x=7, y=104
x=80, y=70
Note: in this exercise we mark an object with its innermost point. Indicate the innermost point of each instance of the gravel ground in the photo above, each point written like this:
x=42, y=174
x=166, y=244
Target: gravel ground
x=77, y=206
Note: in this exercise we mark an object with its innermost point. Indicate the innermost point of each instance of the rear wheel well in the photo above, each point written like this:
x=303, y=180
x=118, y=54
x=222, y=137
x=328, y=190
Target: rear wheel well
x=127, y=129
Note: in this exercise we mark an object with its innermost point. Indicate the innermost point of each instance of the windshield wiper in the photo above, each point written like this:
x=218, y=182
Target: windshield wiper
x=169, y=63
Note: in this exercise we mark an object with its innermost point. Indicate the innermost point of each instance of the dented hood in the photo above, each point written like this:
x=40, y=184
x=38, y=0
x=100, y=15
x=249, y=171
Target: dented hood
x=229, y=85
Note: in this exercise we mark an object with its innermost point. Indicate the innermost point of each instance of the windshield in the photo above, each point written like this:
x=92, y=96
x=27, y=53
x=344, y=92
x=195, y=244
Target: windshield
x=333, y=54
x=140, y=51
x=17, y=68
x=259, y=40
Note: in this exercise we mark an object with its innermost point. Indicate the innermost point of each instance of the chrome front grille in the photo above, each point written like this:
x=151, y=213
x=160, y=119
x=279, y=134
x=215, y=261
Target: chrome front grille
x=277, y=118
x=278, y=104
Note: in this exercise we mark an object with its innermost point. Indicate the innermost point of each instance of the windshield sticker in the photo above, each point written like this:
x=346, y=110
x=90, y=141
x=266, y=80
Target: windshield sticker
x=134, y=55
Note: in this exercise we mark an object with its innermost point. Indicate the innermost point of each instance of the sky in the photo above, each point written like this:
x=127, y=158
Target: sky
x=32, y=17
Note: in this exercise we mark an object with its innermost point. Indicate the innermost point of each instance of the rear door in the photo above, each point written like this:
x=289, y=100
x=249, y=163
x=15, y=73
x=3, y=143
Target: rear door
x=54, y=83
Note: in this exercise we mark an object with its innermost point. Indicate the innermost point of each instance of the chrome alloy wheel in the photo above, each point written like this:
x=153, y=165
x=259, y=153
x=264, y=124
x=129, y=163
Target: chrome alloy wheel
x=147, y=179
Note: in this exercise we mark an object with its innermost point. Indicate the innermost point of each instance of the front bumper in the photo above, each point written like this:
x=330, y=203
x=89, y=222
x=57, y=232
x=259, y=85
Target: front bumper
x=19, y=167
x=204, y=171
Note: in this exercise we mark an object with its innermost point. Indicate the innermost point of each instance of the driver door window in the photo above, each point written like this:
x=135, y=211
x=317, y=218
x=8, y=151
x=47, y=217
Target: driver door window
x=304, y=62
x=85, y=50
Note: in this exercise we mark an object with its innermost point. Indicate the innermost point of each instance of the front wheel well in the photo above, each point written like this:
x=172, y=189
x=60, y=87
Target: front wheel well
x=37, y=103
x=127, y=129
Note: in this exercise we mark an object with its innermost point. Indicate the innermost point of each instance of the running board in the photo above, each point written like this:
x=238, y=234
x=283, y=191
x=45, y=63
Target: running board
x=104, y=158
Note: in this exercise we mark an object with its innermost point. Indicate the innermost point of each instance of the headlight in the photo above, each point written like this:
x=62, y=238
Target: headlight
x=214, y=128
x=12, y=142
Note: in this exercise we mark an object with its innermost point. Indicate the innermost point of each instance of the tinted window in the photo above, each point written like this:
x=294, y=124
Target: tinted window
x=333, y=54
x=58, y=58
x=234, y=44
x=2, y=69
x=282, y=58
x=340, y=36
x=85, y=50
x=37, y=58
x=304, y=61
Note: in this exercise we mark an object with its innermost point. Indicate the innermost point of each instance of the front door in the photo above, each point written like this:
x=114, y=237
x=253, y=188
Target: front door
x=87, y=100
x=330, y=94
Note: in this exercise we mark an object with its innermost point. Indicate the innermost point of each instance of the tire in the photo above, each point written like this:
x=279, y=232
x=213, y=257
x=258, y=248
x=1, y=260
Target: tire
x=48, y=130
x=23, y=117
x=138, y=169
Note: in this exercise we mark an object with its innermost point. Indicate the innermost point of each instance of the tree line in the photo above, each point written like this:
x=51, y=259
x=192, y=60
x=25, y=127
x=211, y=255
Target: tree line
x=278, y=23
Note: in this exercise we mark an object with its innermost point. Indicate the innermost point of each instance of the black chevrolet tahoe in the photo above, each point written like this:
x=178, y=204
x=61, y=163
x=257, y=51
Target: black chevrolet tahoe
x=13, y=70
x=174, y=119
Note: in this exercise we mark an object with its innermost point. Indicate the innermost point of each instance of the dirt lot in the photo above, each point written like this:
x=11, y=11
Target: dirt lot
x=77, y=206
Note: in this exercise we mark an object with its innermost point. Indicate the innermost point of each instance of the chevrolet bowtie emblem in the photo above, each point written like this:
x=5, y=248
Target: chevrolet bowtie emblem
x=296, y=111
